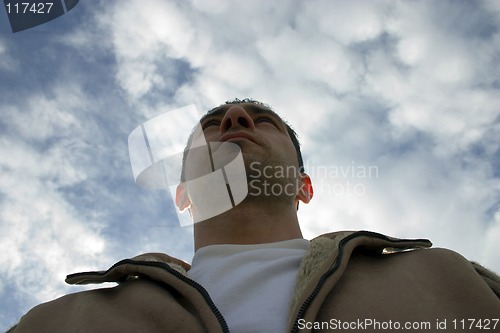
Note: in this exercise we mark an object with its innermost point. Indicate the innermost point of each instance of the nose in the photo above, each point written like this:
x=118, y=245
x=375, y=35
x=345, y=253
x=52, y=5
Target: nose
x=236, y=116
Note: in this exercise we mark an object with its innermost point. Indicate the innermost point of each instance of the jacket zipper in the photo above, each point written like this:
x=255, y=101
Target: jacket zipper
x=193, y=284
x=334, y=267
x=179, y=275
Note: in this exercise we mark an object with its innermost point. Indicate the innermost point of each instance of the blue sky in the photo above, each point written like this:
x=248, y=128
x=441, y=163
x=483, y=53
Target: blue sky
x=408, y=88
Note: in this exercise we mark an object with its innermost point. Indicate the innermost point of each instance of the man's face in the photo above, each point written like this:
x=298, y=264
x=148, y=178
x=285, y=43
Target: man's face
x=260, y=133
x=269, y=160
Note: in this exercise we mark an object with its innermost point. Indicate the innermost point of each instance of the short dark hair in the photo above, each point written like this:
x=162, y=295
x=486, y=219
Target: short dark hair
x=291, y=132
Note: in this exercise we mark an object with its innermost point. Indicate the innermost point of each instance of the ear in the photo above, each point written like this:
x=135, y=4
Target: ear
x=181, y=197
x=306, y=192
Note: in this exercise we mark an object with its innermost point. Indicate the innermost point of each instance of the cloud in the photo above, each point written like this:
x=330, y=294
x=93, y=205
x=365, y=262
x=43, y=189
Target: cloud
x=6, y=62
x=388, y=82
x=355, y=21
x=407, y=87
x=400, y=89
x=42, y=234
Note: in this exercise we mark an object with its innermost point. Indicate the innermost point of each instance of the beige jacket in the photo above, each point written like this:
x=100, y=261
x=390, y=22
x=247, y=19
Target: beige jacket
x=348, y=281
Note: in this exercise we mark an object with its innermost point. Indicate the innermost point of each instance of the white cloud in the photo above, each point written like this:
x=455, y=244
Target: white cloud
x=346, y=22
x=43, y=117
x=6, y=61
x=314, y=59
x=331, y=61
x=409, y=87
x=41, y=234
x=149, y=35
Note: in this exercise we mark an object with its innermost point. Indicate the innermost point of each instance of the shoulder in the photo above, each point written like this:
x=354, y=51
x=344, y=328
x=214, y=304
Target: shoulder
x=439, y=258
x=455, y=266
x=433, y=262
x=422, y=282
x=438, y=271
x=445, y=261
x=443, y=271
x=135, y=305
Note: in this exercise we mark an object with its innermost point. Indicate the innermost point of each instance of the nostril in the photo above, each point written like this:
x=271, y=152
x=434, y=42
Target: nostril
x=243, y=121
x=236, y=116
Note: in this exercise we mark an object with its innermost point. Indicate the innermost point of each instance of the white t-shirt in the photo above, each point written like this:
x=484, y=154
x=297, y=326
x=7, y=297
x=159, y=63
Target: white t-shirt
x=251, y=285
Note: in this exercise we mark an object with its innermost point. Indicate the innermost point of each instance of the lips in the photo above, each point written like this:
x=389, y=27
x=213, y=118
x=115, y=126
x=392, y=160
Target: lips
x=237, y=135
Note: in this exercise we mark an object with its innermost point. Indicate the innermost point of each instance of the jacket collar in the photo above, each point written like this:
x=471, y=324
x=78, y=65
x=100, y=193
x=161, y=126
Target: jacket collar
x=328, y=258
x=324, y=252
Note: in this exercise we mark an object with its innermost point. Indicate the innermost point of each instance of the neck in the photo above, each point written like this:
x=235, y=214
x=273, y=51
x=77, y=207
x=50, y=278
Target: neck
x=249, y=223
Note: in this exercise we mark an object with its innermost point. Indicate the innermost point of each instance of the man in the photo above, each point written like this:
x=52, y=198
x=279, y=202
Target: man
x=253, y=271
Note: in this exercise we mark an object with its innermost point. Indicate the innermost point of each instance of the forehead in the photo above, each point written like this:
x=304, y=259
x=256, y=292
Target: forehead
x=251, y=108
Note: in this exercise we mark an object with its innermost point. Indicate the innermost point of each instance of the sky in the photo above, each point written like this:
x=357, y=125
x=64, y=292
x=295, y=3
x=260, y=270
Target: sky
x=396, y=104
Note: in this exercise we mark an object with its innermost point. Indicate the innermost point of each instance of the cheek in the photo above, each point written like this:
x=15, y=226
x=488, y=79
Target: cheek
x=287, y=151
x=197, y=163
x=212, y=133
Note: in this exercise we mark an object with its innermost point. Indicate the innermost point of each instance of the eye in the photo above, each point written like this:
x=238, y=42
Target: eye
x=210, y=123
x=264, y=120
